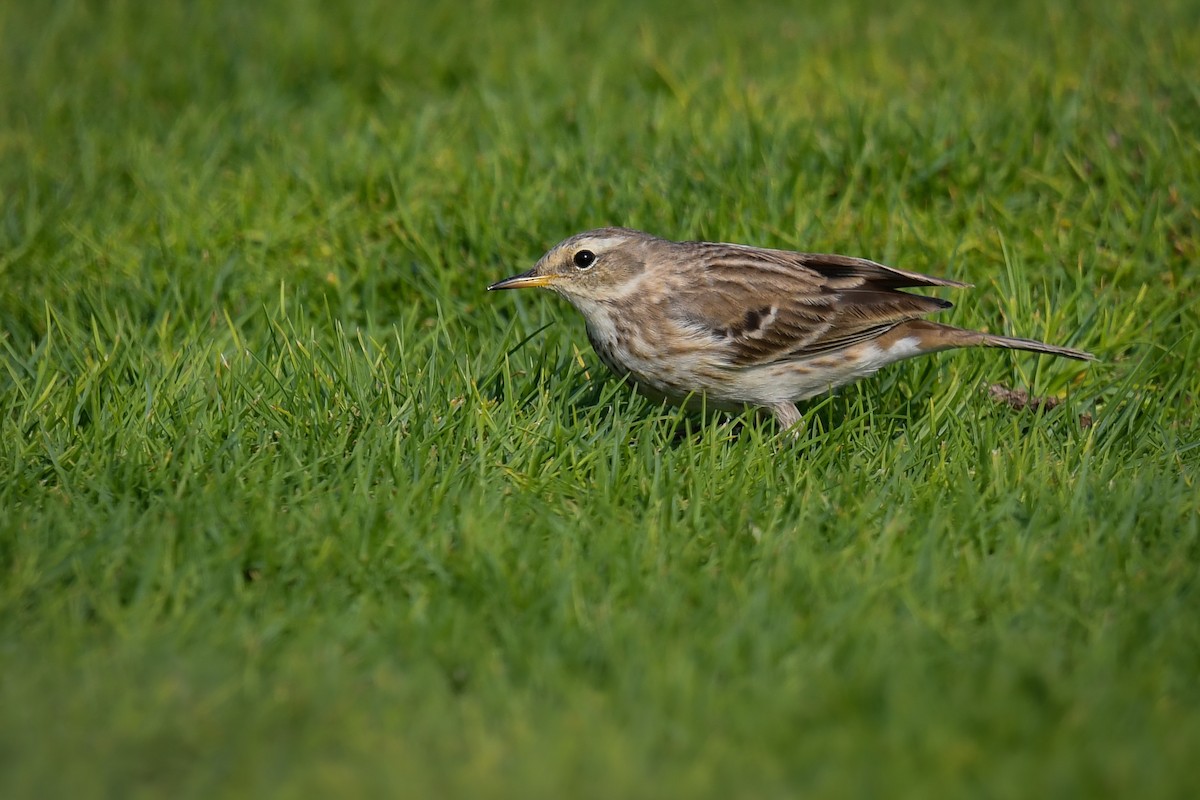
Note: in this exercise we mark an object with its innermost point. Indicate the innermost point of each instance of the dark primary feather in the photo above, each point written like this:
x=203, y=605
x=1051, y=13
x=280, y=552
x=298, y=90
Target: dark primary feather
x=796, y=305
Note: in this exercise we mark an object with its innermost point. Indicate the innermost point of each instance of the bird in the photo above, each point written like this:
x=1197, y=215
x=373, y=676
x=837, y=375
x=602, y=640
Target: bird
x=726, y=326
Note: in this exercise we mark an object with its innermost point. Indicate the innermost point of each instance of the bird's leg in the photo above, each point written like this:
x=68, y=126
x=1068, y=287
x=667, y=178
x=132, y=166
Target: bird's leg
x=789, y=419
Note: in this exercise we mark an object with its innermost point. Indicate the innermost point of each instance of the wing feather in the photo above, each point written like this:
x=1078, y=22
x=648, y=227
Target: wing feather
x=766, y=306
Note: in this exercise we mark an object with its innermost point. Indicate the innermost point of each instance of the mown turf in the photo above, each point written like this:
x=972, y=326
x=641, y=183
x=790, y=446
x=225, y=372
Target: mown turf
x=291, y=507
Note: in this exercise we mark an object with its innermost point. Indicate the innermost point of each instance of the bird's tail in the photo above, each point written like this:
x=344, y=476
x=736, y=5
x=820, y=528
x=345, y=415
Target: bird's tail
x=1033, y=346
x=936, y=336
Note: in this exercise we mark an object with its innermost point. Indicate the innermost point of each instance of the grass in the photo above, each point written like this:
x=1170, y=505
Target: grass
x=291, y=507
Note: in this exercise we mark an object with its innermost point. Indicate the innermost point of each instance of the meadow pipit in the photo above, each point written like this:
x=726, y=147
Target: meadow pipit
x=730, y=325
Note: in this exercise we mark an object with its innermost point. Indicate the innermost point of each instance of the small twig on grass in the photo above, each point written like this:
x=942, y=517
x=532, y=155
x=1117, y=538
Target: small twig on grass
x=1019, y=400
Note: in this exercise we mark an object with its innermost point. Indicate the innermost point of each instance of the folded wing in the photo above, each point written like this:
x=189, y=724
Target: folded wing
x=766, y=306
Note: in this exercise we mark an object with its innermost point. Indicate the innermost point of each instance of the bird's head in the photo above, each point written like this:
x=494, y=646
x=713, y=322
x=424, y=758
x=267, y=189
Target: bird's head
x=598, y=266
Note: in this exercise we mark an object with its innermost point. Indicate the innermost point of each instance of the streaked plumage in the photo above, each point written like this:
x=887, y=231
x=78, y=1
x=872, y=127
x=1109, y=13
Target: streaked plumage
x=746, y=325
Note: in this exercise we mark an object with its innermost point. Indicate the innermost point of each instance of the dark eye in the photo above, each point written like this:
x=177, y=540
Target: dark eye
x=584, y=259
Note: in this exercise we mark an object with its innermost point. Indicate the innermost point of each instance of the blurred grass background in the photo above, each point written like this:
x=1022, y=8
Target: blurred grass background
x=291, y=507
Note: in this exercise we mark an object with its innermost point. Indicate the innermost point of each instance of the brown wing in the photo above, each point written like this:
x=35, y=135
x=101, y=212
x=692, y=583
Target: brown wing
x=775, y=305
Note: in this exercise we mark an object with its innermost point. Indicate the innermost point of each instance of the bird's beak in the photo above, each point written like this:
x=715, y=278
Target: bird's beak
x=525, y=279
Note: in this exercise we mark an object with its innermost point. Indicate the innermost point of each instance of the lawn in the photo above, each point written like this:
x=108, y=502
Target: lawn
x=292, y=507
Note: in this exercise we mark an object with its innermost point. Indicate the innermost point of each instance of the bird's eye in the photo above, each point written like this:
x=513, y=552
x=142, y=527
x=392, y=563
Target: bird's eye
x=584, y=259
